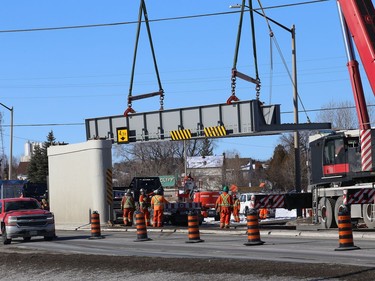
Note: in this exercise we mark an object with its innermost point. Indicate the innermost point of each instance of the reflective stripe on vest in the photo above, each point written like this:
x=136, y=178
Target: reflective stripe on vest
x=129, y=203
x=236, y=203
x=225, y=201
x=158, y=200
x=144, y=202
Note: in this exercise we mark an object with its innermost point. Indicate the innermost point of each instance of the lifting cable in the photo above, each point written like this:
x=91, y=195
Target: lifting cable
x=271, y=71
x=271, y=34
x=235, y=72
x=273, y=37
x=142, y=10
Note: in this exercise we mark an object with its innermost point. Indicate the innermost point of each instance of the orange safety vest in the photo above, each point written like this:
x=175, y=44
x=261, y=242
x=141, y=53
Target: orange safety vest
x=157, y=202
x=225, y=200
x=236, y=204
x=144, y=201
x=127, y=202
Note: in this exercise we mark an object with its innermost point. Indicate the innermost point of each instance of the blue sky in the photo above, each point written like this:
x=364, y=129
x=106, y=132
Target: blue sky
x=56, y=79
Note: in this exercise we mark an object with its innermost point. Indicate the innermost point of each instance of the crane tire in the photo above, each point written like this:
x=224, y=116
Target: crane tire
x=338, y=204
x=326, y=212
x=367, y=210
x=4, y=237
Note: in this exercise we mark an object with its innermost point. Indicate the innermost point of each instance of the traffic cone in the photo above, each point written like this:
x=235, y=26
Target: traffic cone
x=345, y=230
x=141, y=227
x=95, y=226
x=193, y=228
x=253, y=235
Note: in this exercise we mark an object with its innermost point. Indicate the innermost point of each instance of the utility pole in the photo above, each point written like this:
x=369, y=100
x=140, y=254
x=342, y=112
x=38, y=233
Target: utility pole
x=11, y=141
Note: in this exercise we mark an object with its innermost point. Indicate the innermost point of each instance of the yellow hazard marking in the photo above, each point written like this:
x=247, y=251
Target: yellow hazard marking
x=183, y=134
x=217, y=131
x=109, y=187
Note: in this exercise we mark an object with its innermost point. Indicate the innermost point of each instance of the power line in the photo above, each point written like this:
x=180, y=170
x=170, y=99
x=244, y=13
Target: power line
x=81, y=124
x=155, y=20
x=326, y=109
x=44, y=125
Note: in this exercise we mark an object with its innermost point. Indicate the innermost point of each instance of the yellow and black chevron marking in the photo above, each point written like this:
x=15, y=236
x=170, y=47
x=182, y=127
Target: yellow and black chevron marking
x=108, y=182
x=217, y=131
x=184, y=134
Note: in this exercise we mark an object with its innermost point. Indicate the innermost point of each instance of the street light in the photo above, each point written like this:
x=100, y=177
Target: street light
x=11, y=140
x=292, y=31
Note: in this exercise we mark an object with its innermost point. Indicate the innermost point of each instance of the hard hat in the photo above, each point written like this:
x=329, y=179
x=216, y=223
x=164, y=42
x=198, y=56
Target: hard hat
x=128, y=192
x=156, y=191
x=142, y=190
x=225, y=188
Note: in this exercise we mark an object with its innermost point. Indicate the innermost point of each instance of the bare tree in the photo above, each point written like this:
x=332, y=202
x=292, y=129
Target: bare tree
x=342, y=115
x=234, y=173
x=157, y=158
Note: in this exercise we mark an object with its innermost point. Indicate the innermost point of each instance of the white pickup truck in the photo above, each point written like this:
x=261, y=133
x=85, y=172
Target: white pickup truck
x=245, y=200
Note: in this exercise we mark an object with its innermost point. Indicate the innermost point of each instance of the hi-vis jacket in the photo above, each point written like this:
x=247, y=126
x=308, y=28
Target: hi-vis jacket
x=127, y=202
x=224, y=201
x=157, y=202
x=144, y=201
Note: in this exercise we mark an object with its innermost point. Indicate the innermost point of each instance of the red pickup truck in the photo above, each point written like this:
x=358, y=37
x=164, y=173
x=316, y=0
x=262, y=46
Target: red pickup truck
x=24, y=217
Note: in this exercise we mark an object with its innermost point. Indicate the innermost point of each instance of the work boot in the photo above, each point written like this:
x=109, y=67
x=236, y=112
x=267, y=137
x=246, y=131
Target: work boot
x=227, y=226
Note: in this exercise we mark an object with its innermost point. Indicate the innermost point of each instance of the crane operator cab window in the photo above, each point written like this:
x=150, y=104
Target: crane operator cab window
x=334, y=152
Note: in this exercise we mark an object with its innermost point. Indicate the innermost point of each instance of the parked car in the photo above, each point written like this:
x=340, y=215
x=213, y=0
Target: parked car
x=24, y=217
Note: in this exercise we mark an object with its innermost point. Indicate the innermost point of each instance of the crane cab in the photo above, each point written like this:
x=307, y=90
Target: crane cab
x=335, y=158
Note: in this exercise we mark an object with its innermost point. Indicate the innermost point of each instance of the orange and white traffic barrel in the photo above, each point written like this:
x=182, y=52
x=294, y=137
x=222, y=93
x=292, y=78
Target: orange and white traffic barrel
x=193, y=228
x=253, y=235
x=345, y=230
x=141, y=227
x=95, y=226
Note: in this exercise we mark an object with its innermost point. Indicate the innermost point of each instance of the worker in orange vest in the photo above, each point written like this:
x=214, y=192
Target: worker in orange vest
x=157, y=204
x=236, y=208
x=128, y=207
x=263, y=212
x=144, y=204
x=224, y=205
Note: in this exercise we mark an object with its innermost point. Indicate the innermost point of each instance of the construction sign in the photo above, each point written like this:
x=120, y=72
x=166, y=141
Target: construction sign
x=122, y=135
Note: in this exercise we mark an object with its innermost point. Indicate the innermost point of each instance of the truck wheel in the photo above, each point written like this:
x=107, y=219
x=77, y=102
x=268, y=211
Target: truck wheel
x=368, y=211
x=48, y=238
x=6, y=241
x=152, y=218
x=200, y=219
x=245, y=211
x=326, y=212
x=338, y=205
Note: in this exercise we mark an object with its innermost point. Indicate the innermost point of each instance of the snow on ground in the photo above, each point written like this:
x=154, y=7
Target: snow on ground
x=284, y=213
x=280, y=214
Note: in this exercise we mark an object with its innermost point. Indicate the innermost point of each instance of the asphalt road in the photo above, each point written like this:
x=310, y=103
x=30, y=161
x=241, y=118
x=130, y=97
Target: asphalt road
x=285, y=255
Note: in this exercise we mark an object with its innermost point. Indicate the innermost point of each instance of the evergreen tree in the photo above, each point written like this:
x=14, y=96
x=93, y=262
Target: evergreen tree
x=38, y=167
x=36, y=170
